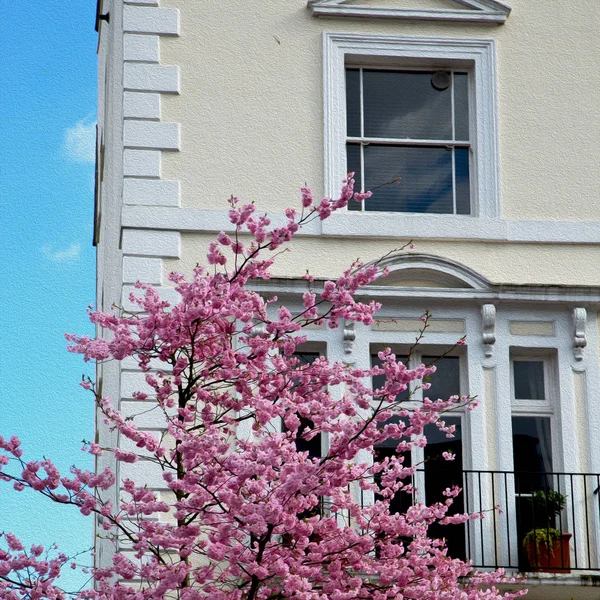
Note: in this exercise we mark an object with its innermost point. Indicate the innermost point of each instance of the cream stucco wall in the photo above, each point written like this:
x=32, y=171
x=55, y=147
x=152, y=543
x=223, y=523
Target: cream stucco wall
x=500, y=263
x=252, y=123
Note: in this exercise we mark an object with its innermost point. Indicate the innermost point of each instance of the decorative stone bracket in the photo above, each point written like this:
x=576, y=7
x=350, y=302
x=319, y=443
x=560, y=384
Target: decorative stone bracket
x=579, y=338
x=349, y=339
x=488, y=325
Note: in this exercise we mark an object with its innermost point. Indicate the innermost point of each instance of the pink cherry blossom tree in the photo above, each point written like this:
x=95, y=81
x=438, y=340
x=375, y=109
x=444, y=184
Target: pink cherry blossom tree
x=249, y=514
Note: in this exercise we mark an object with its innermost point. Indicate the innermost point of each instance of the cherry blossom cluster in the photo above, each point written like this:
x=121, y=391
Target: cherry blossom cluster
x=247, y=514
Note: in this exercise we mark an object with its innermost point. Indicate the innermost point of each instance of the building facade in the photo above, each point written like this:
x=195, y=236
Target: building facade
x=477, y=128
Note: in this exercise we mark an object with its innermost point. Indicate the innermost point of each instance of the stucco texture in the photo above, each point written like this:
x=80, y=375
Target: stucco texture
x=252, y=122
x=500, y=263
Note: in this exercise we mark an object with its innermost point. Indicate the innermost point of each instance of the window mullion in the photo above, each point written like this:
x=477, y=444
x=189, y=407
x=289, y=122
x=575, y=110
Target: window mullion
x=362, y=173
x=362, y=110
x=362, y=135
x=407, y=142
x=453, y=118
x=452, y=108
x=453, y=181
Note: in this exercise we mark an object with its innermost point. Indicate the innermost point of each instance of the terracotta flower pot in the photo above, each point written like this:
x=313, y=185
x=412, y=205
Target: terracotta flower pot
x=557, y=560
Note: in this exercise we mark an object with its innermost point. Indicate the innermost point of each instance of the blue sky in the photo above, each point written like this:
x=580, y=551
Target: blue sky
x=47, y=269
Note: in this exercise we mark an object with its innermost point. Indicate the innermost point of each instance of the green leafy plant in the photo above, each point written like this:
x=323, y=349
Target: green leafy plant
x=542, y=536
x=546, y=505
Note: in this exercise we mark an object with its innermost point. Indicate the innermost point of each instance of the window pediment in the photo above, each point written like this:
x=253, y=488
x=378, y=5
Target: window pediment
x=470, y=11
x=429, y=271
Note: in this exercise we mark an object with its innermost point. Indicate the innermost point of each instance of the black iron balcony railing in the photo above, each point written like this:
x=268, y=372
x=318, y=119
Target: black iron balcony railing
x=542, y=521
x=530, y=521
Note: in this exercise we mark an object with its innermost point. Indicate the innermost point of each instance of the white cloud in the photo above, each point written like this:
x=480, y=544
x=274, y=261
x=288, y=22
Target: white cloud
x=80, y=141
x=70, y=254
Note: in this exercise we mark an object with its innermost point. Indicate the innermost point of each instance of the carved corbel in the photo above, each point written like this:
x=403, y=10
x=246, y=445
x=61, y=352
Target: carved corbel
x=259, y=329
x=579, y=339
x=349, y=337
x=488, y=318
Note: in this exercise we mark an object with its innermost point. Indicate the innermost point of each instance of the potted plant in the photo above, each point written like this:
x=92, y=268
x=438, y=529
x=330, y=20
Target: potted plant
x=547, y=547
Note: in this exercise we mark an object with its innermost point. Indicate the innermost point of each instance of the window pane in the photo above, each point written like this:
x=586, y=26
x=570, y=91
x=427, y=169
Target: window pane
x=529, y=379
x=532, y=444
x=461, y=176
x=425, y=184
x=404, y=104
x=445, y=382
x=353, y=165
x=461, y=106
x=353, y=102
x=441, y=474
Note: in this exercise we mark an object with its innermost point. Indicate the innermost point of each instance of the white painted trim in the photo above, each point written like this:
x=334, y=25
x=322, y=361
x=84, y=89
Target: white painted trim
x=478, y=11
x=395, y=226
x=527, y=407
x=148, y=270
x=147, y=242
x=109, y=256
x=146, y=77
x=141, y=163
x=439, y=264
x=140, y=105
x=151, y=134
x=143, y=19
x=150, y=192
x=530, y=294
x=130, y=89
x=477, y=54
x=141, y=48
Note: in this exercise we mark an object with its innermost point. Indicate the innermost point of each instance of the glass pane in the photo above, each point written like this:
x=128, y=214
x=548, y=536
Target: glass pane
x=404, y=104
x=409, y=179
x=353, y=102
x=445, y=382
x=436, y=466
x=441, y=474
x=529, y=379
x=461, y=176
x=532, y=444
x=461, y=106
x=532, y=455
x=353, y=165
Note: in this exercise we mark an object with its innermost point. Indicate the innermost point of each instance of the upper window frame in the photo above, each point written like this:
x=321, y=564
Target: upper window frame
x=477, y=55
x=530, y=407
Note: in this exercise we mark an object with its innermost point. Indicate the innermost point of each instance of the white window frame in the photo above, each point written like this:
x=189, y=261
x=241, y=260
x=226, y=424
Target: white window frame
x=416, y=399
x=546, y=408
x=476, y=55
x=534, y=408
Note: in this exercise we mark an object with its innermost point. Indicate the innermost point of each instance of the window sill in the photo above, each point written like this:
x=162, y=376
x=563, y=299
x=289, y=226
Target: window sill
x=457, y=227
x=403, y=226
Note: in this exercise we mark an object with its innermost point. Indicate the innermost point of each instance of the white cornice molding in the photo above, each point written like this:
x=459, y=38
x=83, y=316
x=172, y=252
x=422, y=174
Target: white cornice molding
x=476, y=11
x=395, y=226
x=537, y=294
